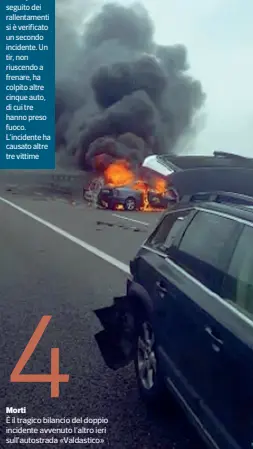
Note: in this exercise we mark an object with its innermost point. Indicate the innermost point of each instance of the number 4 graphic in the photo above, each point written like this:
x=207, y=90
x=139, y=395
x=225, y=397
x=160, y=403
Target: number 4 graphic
x=55, y=378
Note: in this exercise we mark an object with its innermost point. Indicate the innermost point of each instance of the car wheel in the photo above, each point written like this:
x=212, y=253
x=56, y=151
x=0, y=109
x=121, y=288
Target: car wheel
x=149, y=377
x=130, y=204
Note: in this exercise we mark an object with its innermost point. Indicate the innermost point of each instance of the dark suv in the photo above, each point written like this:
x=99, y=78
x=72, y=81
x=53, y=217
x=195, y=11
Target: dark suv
x=187, y=318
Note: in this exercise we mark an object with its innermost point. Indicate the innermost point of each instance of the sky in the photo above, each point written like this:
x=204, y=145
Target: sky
x=219, y=37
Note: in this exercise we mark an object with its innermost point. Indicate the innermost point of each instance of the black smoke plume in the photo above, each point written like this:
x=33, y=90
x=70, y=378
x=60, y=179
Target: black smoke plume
x=118, y=92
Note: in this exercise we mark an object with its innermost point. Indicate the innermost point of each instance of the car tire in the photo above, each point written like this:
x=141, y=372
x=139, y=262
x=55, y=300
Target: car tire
x=150, y=380
x=130, y=204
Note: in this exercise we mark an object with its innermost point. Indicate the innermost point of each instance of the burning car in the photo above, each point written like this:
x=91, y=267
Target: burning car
x=120, y=198
x=164, y=179
x=136, y=197
x=124, y=189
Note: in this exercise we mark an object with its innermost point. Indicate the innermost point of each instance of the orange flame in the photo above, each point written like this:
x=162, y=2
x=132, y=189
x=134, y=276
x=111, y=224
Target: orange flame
x=160, y=185
x=119, y=174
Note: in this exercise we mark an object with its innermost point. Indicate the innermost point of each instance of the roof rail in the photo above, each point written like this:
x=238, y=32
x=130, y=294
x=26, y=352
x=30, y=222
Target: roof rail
x=219, y=197
x=228, y=155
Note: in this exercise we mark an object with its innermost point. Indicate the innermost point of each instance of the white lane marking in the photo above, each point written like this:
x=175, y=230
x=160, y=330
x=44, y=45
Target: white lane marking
x=92, y=249
x=131, y=219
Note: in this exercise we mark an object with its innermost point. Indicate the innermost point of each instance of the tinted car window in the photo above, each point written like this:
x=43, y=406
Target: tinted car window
x=238, y=284
x=165, y=233
x=234, y=200
x=204, y=250
x=201, y=197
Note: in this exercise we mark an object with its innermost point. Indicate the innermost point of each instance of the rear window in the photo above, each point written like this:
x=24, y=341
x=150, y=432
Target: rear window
x=204, y=250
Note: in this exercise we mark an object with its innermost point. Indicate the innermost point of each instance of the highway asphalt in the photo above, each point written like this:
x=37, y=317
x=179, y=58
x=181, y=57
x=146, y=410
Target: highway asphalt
x=47, y=272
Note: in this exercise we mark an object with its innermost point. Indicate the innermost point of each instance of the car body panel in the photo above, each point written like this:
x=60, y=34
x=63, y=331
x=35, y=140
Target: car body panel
x=156, y=166
x=109, y=197
x=193, y=356
x=224, y=387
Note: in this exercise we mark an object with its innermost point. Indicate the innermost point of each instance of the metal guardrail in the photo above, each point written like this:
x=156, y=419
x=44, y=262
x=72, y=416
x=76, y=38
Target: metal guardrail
x=67, y=177
x=67, y=182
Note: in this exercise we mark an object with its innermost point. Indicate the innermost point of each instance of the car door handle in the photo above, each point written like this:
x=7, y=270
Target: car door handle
x=209, y=331
x=161, y=287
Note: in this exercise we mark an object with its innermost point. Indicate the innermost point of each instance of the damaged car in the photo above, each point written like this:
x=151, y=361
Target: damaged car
x=134, y=198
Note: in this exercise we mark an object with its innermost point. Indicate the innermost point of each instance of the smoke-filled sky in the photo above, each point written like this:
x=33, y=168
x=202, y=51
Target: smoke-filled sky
x=219, y=43
x=219, y=38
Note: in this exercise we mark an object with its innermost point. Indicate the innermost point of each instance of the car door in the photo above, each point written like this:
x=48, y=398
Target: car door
x=231, y=389
x=159, y=280
x=112, y=339
x=152, y=253
x=195, y=272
